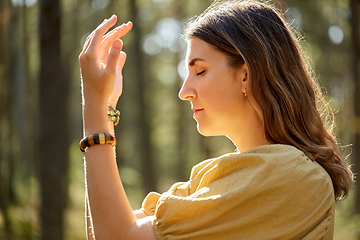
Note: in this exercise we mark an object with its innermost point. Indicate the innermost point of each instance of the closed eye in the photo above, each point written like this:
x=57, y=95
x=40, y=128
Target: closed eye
x=200, y=73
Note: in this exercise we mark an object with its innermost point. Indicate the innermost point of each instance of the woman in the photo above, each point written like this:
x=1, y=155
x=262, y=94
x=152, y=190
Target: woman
x=248, y=81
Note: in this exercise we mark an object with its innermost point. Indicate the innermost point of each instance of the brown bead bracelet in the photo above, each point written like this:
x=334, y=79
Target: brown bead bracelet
x=101, y=138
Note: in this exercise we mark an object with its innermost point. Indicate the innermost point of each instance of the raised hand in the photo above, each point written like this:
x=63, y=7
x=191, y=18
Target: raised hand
x=101, y=63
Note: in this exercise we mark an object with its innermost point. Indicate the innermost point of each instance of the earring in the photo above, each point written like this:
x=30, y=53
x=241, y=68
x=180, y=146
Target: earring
x=245, y=92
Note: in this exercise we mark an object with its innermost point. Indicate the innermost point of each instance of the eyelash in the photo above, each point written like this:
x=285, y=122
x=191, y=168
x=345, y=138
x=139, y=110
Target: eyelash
x=200, y=73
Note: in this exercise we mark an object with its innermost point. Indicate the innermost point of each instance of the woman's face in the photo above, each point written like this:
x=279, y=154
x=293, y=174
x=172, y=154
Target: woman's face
x=215, y=90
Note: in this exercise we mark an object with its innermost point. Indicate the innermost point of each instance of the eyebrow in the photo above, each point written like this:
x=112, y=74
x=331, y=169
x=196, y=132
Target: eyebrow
x=193, y=61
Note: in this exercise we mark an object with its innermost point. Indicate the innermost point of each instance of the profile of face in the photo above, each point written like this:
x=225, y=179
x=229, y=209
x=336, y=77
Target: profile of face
x=216, y=90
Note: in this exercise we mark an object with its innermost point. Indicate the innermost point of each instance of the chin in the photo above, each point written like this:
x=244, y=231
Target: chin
x=206, y=132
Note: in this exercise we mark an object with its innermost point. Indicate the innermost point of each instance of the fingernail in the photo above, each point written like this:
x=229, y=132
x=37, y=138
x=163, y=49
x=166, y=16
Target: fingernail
x=117, y=44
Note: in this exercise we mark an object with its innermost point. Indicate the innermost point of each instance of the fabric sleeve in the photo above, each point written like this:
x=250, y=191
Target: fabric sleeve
x=151, y=200
x=149, y=204
x=254, y=202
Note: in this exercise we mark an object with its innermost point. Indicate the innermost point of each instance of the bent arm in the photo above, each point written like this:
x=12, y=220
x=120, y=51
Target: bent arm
x=109, y=214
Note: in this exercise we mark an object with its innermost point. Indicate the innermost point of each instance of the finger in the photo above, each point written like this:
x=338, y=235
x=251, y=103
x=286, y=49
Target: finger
x=107, y=42
x=125, y=29
x=87, y=42
x=115, y=30
x=91, y=35
x=121, y=61
x=118, y=32
x=106, y=51
x=121, y=30
x=113, y=57
x=102, y=29
x=114, y=34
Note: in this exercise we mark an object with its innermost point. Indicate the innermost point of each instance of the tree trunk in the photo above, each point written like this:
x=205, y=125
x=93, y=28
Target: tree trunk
x=355, y=23
x=5, y=158
x=144, y=131
x=27, y=95
x=53, y=119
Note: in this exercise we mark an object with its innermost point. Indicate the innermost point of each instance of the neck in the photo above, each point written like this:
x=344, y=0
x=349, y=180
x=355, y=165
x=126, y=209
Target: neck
x=250, y=136
x=248, y=143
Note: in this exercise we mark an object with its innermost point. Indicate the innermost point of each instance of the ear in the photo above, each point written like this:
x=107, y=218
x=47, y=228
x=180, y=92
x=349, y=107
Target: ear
x=242, y=76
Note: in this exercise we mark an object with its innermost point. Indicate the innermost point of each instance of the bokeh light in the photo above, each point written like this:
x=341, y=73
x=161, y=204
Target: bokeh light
x=336, y=34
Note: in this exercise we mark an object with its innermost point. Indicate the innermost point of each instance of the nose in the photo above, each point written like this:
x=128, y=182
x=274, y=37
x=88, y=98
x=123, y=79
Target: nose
x=187, y=91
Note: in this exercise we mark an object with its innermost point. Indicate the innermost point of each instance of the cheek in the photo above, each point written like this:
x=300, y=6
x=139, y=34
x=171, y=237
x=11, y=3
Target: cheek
x=211, y=95
x=224, y=101
x=220, y=92
x=233, y=104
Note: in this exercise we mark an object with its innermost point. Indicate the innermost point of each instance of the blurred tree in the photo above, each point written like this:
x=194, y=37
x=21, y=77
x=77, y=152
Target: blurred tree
x=144, y=130
x=16, y=120
x=53, y=136
x=23, y=121
x=355, y=25
x=13, y=71
x=5, y=188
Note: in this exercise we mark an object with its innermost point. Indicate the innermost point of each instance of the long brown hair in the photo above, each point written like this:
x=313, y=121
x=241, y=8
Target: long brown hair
x=288, y=99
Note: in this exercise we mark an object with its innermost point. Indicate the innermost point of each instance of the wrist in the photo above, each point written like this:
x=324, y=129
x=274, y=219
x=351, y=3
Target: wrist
x=112, y=102
x=93, y=100
x=95, y=118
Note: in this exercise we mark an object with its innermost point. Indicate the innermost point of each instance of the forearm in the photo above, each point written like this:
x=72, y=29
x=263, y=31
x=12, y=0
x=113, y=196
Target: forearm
x=88, y=221
x=106, y=195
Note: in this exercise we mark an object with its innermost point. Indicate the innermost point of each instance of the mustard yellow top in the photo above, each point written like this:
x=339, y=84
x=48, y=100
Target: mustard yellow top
x=268, y=192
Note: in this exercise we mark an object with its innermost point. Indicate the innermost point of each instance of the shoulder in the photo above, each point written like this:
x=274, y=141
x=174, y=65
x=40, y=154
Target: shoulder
x=291, y=163
x=277, y=160
x=280, y=168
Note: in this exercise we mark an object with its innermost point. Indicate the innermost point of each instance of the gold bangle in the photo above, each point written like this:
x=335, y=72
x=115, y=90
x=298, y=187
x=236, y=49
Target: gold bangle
x=101, y=138
x=113, y=115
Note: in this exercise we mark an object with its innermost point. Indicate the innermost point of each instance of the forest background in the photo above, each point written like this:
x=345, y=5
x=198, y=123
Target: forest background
x=41, y=167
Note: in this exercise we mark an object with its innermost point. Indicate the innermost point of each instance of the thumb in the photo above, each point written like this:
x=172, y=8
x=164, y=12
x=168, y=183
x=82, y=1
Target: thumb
x=113, y=57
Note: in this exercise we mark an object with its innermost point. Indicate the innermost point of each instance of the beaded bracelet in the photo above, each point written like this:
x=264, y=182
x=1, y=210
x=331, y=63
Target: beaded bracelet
x=113, y=115
x=101, y=138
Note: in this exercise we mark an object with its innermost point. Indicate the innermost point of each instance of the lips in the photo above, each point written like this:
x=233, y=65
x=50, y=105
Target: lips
x=196, y=110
